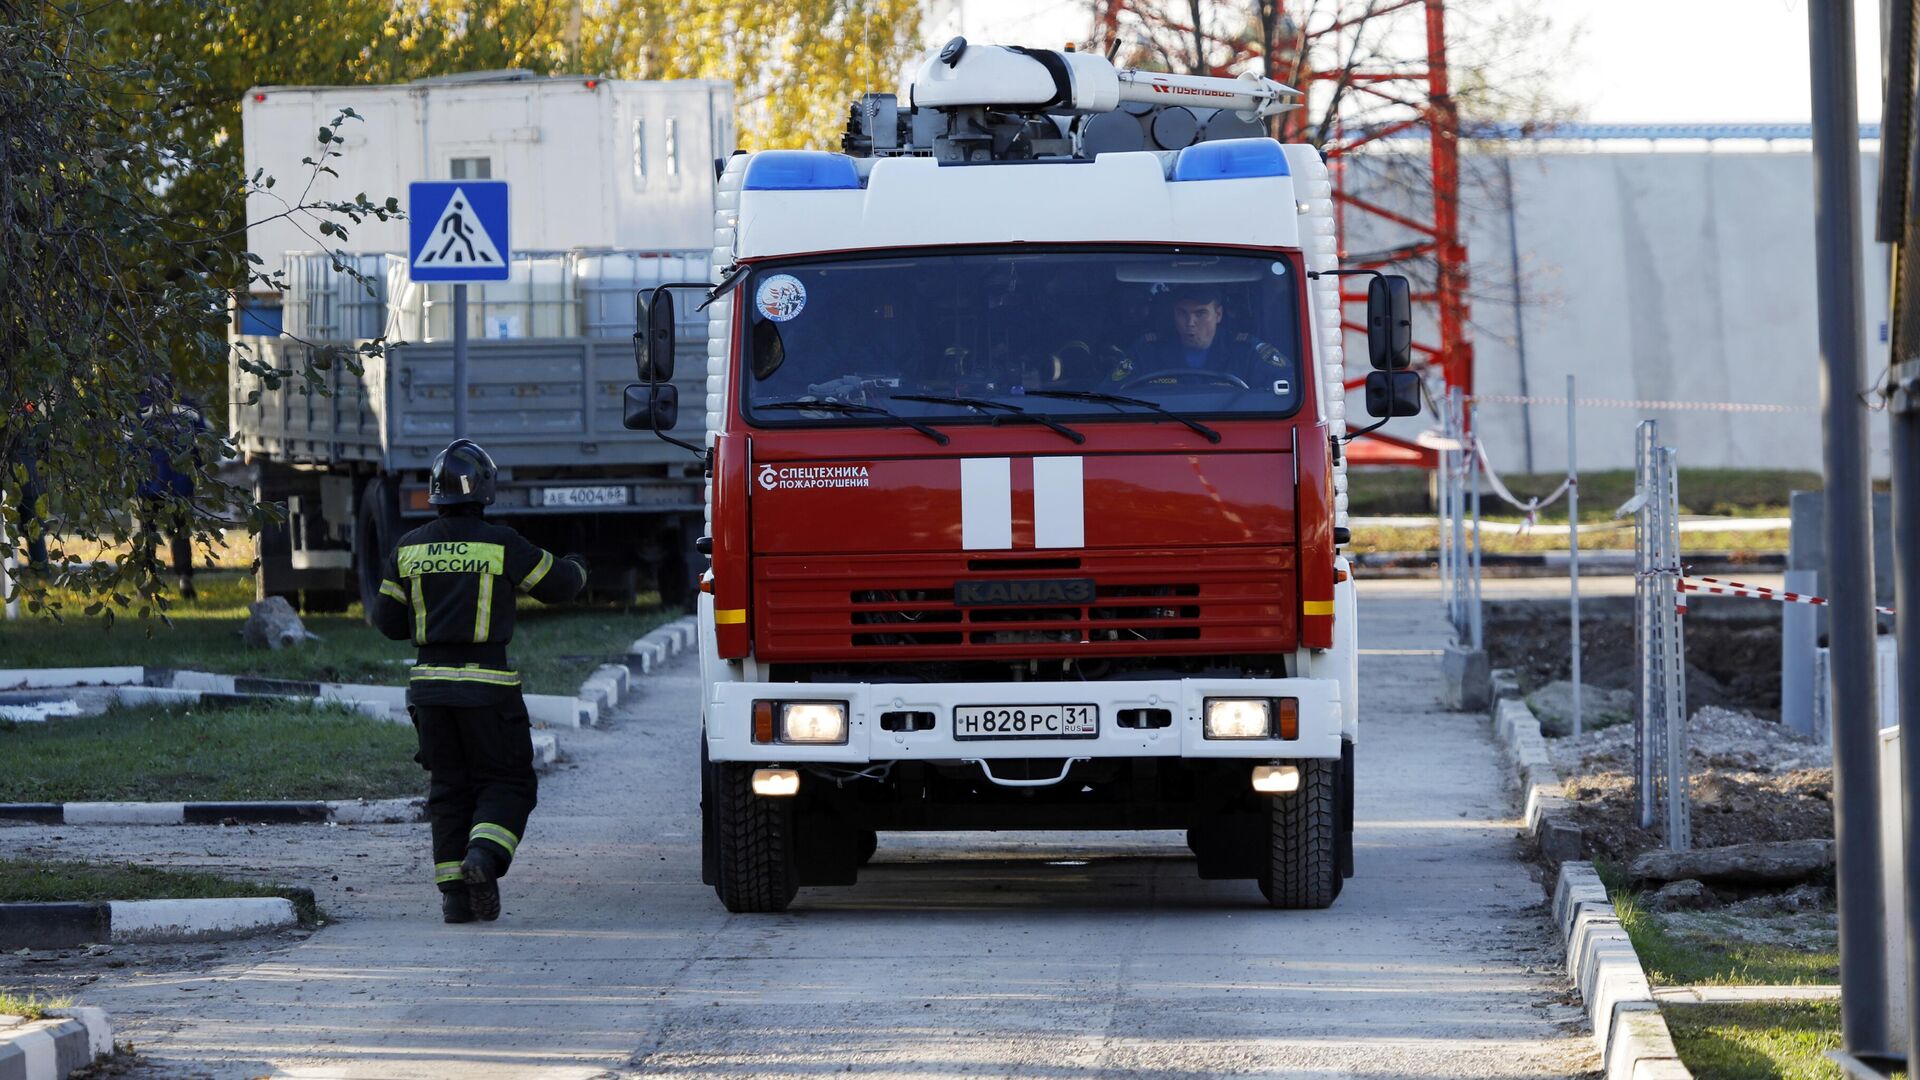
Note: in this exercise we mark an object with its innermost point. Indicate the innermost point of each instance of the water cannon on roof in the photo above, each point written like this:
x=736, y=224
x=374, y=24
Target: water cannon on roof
x=981, y=103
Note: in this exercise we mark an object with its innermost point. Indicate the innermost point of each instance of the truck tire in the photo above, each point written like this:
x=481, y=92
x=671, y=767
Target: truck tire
x=376, y=525
x=1303, y=869
x=757, y=871
x=869, y=843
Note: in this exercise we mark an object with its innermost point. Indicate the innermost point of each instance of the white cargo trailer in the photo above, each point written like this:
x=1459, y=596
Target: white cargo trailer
x=593, y=163
x=612, y=187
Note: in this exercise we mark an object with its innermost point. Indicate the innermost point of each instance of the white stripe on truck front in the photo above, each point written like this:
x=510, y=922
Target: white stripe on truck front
x=1059, y=503
x=986, y=503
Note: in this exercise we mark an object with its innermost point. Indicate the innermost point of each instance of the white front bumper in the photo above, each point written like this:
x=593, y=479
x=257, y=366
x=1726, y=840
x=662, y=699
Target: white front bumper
x=730, y=724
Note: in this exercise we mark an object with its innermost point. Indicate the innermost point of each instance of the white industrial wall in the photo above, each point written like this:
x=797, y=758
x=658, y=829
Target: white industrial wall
x=1663, y=275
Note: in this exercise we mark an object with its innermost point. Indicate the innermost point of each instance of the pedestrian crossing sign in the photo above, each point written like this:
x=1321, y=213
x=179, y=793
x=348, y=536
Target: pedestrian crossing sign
x=458, y=230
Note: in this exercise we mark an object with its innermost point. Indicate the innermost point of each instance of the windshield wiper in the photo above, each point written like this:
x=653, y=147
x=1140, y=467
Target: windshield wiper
x=983, y=404
x=1122, y=399
x=862, y=410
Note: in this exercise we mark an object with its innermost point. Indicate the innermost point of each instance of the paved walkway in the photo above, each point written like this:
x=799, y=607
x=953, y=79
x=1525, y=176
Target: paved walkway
x=1042, y=955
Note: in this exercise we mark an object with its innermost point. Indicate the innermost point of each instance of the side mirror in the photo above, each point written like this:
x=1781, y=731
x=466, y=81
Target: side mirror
x=653, y=335
x=654, y=407
x=1391, y=393
x=1389, y=324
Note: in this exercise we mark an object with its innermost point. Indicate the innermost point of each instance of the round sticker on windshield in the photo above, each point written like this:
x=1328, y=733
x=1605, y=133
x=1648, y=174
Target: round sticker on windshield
x=1279, y=269
x=781, y=297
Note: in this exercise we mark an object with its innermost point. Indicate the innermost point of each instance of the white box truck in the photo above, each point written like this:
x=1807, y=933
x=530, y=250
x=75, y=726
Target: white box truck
x=612, y=191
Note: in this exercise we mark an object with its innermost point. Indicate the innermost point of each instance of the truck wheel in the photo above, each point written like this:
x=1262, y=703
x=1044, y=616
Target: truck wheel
x=869, y=843
x=1303, y=870
x=757, y=869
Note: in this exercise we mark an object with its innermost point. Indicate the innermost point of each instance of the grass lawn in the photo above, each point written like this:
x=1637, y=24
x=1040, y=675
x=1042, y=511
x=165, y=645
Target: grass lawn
x=1728, y=962
x=31, y=1006
x=1756, y=1041
x=1716, y=492
x=41, y=881
x=554, y=647
x=195, y=753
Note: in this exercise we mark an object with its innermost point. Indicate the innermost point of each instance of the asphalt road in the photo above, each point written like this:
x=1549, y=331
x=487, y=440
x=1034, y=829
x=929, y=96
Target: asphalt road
x=1042, y=955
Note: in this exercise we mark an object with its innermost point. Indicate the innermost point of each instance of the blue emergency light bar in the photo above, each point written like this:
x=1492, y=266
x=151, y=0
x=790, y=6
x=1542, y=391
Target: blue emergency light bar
x=1230, y=159
x=801, y=170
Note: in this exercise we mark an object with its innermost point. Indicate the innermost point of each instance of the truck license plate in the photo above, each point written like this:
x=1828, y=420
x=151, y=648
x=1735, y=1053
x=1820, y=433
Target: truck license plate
x=1026, y=722
x=583, y=496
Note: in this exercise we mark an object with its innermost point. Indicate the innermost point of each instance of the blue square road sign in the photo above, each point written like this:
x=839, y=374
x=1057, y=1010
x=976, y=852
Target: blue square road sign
x=457, y=230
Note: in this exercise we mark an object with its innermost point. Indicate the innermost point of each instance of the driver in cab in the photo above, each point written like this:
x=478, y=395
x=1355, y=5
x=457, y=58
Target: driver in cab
x=1199, y=344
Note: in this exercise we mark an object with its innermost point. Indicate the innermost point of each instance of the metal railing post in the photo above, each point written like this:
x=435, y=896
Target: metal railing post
x=1573, y=556
x=1473, y=462
x=1645, y=660
x=1673, y=660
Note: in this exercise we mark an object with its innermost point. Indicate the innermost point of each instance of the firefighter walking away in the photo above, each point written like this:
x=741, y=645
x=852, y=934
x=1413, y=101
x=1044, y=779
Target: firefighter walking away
x=450, y=588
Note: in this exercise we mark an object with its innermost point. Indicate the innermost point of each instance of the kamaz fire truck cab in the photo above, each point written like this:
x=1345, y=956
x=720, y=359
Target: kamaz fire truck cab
x=1025, y=479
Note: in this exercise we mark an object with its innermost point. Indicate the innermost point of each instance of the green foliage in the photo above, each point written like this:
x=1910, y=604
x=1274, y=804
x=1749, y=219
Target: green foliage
x=1760, y=1041
x=114, y=303
x=30, y=1006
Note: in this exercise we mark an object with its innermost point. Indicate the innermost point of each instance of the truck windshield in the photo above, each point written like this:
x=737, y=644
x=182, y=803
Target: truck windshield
x=1196, y=332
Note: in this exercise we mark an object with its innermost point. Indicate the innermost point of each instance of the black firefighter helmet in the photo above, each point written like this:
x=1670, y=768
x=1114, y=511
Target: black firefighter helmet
x=462, y=473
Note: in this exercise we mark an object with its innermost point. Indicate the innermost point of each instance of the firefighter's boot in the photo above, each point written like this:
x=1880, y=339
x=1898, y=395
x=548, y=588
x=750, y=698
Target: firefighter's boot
x=455, y=905
x=480, y=872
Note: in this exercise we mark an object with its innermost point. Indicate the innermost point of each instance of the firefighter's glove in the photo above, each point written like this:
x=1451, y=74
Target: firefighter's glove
x=577, y=560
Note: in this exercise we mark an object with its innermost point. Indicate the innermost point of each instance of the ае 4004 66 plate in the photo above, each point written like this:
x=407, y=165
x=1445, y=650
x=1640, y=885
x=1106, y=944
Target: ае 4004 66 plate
x=1026, y=722
x=584, y=496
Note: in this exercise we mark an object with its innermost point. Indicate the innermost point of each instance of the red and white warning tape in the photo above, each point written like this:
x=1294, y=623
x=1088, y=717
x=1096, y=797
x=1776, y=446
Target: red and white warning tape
x=1718, y=587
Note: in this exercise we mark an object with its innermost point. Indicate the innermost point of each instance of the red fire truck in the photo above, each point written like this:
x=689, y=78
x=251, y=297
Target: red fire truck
x=1025, y=482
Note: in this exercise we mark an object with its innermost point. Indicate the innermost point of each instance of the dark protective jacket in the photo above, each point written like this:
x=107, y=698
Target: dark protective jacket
x=450, y=588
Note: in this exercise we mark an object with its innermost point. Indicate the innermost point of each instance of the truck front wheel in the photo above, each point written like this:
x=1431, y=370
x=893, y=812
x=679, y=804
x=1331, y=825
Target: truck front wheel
x=753, y=841
x=1303, y=869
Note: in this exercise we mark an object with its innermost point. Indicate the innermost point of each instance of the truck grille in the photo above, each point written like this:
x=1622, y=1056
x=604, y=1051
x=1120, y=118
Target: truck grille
x=903, y=607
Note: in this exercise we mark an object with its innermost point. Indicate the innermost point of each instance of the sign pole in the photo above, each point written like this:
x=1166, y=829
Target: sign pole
x=460, y=361
x=1849, y=533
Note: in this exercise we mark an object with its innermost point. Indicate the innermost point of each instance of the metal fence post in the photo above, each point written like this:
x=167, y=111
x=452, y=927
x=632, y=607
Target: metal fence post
x=1673, y=660
x=1458, y=523
x=1473, y=462
x=1573, y=556
x=1645, y=742
x=1445, y=517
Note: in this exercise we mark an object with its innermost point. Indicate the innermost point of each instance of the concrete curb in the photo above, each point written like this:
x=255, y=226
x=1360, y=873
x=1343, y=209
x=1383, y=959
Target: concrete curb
x=612, y=683
x=134, y=685
x=48, y=678
x=167, y=686
x=381, y=702
x=661, y=644
x=1550, y=824
x=336, y=812
x=67, y=1041
x=167, y=695
x=1627, y=1026
x=131, y=922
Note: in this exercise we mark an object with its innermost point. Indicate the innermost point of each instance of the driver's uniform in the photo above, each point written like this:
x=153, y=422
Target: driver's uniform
x=1236, y=354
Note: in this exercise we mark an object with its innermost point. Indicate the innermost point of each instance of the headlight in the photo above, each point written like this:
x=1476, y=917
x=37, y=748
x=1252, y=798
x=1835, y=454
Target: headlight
x=1239, y=718
x=813, y=722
